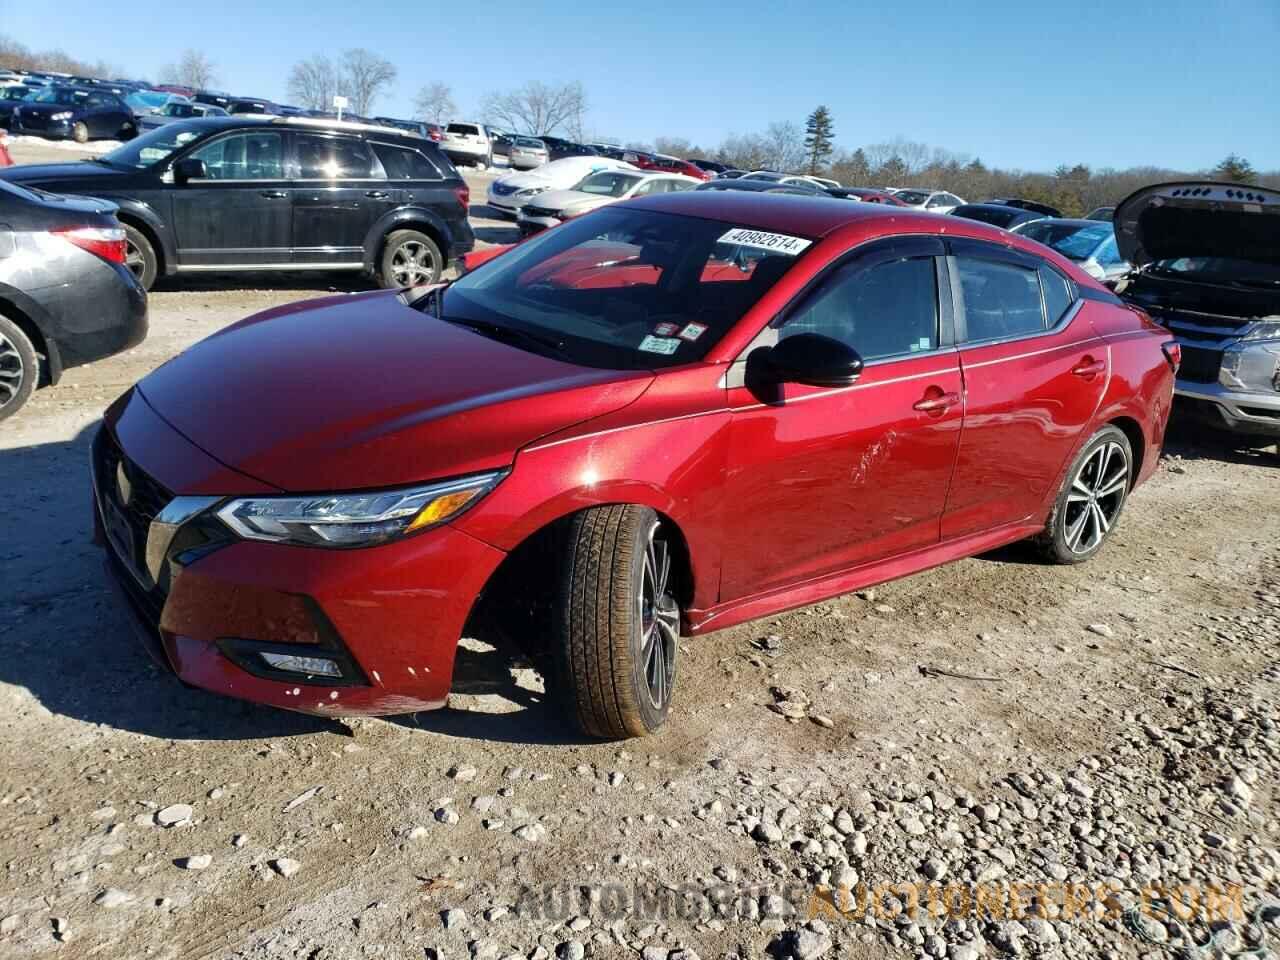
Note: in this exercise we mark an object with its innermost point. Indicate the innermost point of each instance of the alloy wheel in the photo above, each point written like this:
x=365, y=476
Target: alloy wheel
x=659, y=621
x=12, y=372
x=412, y=264
x=1096, y=495
x=134, y=260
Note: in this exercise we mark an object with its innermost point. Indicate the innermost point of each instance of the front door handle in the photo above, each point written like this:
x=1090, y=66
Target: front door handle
x=936, y=402
x=1088, y=368
x=275, y=194
x=377, y=194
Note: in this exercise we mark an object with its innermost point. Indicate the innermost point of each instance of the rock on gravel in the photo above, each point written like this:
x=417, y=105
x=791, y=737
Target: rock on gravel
x=200, y=861
x=175, y=815
x=113, y=897
x=285, y=866
x=453, y=918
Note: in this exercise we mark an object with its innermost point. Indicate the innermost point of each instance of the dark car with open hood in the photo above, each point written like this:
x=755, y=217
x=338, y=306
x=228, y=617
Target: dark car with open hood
x=1208, y=268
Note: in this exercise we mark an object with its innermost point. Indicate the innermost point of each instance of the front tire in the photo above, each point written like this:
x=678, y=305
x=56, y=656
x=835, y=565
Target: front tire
x=1092, y=496
x=140, y=256
x=410, y=258
x=617, y=623
x=19, y=368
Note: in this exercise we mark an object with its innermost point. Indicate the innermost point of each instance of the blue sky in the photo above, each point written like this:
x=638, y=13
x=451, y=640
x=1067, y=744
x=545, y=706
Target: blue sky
x=1022, y=85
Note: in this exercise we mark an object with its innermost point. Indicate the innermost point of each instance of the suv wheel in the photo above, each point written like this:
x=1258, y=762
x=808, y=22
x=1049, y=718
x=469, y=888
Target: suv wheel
x=19, y=368
x=617, y=624
x=1092, y=496
x=79, y=132
x=408, y=259
x=140, y=256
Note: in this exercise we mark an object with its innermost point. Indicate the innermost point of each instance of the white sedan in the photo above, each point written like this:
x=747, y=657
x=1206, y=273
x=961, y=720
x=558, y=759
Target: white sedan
x=932, y=201
x=508, y=194
x=597, y=190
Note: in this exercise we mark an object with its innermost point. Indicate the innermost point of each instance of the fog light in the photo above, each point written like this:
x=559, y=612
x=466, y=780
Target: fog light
x=315, y=666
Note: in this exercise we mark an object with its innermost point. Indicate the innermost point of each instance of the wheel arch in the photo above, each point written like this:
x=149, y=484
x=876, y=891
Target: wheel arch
x=412, y=218
x=32, y=320
x=1137, y=443
x=143, y=219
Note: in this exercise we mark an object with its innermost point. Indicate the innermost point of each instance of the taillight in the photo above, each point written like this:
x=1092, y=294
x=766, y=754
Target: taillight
x=1173, y=354
x=463, y=193
x=105, y=242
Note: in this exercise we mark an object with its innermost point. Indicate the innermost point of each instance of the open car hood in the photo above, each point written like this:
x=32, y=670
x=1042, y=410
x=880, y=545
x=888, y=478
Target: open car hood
x=1198, y=218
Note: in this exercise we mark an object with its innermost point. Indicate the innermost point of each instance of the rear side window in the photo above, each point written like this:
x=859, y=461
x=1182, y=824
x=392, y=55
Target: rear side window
x=402, y=163
x=888, y=310
x=334, y=158
x=1001, y=299
x=1058, y=295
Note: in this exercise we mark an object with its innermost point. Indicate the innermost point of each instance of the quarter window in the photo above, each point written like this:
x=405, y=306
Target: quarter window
x=1058, y=295
x=1000, y=299
x=402, y=163
x=257, y=155
x=887, y=310
x=335, y=158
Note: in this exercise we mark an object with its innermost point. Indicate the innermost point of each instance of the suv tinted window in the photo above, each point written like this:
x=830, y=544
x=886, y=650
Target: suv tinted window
x=255, y=155
x=401, y=163
x=887, y=310
x=334, y=158
x=1058, y=295
x=470, y=129
x=1000, y=299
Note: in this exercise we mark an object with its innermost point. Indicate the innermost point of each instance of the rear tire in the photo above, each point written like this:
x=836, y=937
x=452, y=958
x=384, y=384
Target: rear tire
x=1093, y=494
x=19, y=368
x=409, y=258
x=79, y=132
x=139, y=256
x=617, y=625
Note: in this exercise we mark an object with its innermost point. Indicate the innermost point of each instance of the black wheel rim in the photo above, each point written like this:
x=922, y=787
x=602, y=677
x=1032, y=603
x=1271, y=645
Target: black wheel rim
x=12, y=372
x=1096, y=494
x=659, y=621
x=412, y=263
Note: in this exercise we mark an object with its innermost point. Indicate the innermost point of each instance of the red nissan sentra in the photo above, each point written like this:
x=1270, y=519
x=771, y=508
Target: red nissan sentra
x=666, y=417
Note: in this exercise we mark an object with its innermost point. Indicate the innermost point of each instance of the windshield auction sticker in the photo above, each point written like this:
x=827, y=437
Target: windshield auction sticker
x=760, y=240
x=664, y=345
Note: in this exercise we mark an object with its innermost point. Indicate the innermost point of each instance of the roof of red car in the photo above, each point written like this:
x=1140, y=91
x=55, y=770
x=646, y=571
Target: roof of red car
x=807, y=216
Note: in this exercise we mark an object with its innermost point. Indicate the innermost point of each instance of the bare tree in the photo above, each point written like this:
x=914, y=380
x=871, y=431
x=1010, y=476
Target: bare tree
x=784, y=147
x=364, y=77
x=193, y=69
x=313, y=82
x=537, y=108
x=435, y=103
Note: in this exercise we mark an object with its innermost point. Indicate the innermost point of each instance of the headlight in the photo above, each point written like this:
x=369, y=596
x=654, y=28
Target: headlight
x=1251, y=367
x=64, y=115
x=1263, y=330
x=354, y=519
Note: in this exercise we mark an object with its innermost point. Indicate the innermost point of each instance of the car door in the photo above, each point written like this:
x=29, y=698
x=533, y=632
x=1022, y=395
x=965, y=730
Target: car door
x=1034, y=374
x=824, y=479
x=239, y=213
x=339, y=192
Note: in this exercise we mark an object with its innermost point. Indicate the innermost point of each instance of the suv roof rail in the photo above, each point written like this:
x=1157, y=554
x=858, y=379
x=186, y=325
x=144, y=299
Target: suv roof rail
x=322, y=123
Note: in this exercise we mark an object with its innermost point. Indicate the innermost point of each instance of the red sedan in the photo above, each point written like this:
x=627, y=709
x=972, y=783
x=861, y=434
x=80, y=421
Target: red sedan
x=668, y=416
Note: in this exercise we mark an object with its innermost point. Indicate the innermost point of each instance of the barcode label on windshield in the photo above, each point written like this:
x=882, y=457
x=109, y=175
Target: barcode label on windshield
x=773, y=242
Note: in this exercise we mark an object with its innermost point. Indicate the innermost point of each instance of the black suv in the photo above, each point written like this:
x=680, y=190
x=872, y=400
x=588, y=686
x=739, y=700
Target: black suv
x=257, y=193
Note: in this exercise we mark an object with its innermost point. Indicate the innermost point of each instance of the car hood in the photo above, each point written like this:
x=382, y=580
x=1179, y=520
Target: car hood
x=564, y=199
x=1199, y=219
x=353, y=392
x=549, y=175
x=49, y=174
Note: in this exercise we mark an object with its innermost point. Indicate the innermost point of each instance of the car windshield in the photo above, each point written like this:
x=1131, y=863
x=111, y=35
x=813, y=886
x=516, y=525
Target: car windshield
x=63, y=95
x=178, y=109
x=608, y=184
x=764, y=175
x=623, y=289
x=1226, y=270
x=146, y=99
x=1070, y=239
x=996, y=216
x=913, y=197
x=155, y=146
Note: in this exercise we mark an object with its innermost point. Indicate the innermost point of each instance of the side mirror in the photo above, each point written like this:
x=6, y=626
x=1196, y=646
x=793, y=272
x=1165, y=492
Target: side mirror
x=813, y=359
x=188, y=168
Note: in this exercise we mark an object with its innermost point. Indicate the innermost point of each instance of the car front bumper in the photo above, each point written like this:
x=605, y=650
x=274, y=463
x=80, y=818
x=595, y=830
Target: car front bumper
x=1255, y=414
x=389, y=616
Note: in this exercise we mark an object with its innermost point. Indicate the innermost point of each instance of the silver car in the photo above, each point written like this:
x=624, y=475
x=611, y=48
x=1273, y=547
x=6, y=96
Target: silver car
x=594, y=191
x=1090, y=243
x=931, y=201
x=527, y=153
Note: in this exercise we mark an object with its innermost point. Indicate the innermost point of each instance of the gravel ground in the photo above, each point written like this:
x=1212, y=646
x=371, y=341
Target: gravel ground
x=1075, y=735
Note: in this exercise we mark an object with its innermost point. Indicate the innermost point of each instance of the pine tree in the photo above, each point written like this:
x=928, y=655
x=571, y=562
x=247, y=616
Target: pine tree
x=1235, y=169
x=819, y=131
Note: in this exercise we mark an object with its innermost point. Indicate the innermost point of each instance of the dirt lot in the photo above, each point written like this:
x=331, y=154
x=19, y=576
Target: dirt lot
x=1109, y=724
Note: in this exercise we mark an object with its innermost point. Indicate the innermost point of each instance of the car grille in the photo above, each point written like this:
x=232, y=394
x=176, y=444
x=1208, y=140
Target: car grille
x=1199, y=365
x=147, y=498
x=502, y=190
x=538, y=211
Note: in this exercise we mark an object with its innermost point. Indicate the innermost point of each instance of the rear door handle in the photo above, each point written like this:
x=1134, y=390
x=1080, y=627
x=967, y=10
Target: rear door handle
x=1088, y=368
x=935, y=401
x=275, y=194
x=377, y=194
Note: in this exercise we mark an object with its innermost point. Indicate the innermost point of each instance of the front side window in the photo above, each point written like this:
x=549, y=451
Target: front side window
x=256, y=155
x=334, y=158
x=624, y=288
x=1001, y=299
x=886, y=310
